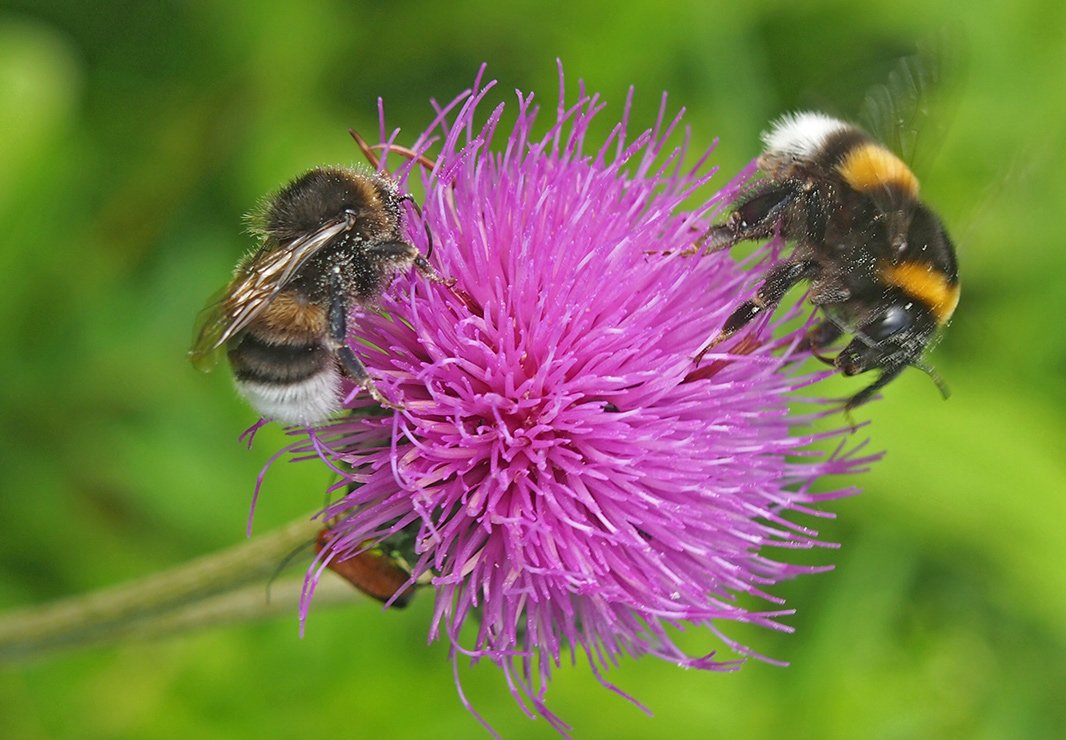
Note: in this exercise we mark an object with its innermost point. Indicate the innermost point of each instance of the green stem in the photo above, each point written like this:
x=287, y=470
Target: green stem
x=223, y=587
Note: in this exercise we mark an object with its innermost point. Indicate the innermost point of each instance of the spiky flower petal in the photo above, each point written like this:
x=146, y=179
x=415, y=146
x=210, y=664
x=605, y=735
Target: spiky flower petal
x=562, y=471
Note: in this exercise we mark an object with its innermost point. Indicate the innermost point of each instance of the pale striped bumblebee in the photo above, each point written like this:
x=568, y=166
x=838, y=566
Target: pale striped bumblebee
x=331, y=239
x=879, y=262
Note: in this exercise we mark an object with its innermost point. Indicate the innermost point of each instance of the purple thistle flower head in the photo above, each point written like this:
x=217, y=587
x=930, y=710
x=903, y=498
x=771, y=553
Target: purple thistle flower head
x=562, y=472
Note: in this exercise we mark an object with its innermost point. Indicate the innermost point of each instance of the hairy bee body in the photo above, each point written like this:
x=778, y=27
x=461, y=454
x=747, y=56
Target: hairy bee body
x=282, y=363
x=879, y=262
x=330, y=240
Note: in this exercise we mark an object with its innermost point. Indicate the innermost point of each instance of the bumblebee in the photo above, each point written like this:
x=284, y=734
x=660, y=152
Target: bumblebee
x=878, y=261
x=373, y=572
x=331, y=239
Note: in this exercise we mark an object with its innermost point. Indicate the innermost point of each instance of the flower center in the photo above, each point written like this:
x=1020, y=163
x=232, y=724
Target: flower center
x=515, y=431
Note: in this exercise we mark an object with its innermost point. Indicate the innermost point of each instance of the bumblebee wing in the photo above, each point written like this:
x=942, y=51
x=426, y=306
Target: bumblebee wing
x=259, y=279
x=210, y=325
x=909, y=112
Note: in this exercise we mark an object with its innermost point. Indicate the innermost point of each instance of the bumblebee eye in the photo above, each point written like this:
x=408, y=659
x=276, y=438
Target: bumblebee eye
x=895, y=319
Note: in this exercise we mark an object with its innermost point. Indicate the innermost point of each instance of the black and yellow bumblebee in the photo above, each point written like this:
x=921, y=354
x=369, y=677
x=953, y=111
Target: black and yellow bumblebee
x=878, y=260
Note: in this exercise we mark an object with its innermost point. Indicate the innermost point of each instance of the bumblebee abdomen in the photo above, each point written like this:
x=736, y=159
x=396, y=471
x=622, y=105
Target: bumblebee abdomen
x=307, y=402
x=258, y=358
x=927, y=284
x=296, y=383
x=868, y=167
x=293, y=317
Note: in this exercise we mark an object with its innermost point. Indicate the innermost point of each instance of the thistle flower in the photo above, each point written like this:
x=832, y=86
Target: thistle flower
x=561, y=471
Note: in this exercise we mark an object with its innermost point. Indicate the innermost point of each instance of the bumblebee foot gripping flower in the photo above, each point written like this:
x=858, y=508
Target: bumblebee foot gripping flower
x=561, y=471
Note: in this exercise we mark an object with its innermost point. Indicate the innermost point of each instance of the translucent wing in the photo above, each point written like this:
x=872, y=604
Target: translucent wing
x=258, y=281
x=908, y=112
x=210, y=324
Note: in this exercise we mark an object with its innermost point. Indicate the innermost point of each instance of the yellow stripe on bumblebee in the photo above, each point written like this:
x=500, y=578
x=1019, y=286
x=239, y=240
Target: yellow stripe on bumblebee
x=870, y=166
x=926, y=284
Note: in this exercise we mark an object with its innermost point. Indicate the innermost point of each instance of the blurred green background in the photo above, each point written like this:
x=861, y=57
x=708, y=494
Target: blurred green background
x=133, y=136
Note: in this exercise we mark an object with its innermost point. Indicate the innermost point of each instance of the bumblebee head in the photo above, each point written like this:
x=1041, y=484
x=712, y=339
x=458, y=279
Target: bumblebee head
x=894, y=336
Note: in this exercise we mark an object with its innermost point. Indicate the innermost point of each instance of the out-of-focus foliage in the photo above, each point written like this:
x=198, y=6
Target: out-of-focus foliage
x=133, y=136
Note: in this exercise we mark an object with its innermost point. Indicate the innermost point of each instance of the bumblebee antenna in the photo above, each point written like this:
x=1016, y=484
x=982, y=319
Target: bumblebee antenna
x=375, y=162
x=940, y=384
x=365, y=148
x=824, y=359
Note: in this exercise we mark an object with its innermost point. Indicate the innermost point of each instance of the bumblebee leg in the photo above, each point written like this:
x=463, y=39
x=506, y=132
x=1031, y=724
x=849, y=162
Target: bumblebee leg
x=821, y=335
x=397, y=251
x=425, y=225
x=715, y=239
x=773, y=289
x=392, y=251
x=887, y=375
x=753, y=218
x=431, y=274
x=389, y=250
x=338, y=341
x=821, y=295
